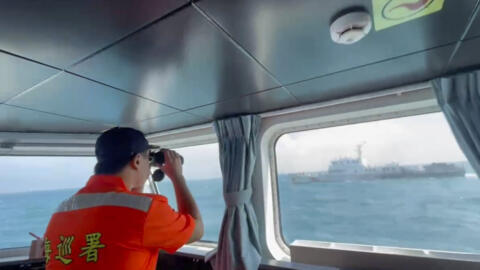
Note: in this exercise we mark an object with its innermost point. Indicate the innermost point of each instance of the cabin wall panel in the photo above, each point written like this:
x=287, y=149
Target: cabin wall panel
x=183, y=61
x=467, y=56
x=14, y=119
x=59, y=33
x=167, y=122
x=293, y=42
x=273, y=99
x=474, y=30
x=75, y=97
x=208, y=59
x=14, y=79
x=392, y=73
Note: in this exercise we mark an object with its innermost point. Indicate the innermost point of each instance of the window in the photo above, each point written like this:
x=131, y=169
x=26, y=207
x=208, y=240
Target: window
x=32, y=188
x=400, y=182
x=202, y=172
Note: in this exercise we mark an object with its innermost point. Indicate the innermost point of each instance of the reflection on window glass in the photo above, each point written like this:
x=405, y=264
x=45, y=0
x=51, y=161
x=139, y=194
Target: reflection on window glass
x=400, y=182
x=32, y=188
x=202, y=172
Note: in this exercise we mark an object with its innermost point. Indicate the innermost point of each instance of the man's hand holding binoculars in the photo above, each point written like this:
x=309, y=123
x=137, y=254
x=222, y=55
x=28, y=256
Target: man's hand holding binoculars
x=169, y=162
x=173, y=165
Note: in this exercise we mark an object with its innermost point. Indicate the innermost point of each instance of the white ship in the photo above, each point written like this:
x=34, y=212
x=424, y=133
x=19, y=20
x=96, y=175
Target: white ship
x=356, y=169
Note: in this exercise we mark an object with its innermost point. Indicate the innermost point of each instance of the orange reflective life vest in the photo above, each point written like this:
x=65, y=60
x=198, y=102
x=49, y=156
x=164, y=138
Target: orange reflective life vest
x=106, y=226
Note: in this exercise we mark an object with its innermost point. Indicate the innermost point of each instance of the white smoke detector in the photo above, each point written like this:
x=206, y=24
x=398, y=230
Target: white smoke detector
x=351, y=27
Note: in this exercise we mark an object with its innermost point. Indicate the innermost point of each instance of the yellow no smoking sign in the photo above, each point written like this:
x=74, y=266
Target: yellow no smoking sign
x=388, y=13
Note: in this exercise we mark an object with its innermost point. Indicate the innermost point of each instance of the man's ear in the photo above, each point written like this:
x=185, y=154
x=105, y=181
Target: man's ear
x=135, y=162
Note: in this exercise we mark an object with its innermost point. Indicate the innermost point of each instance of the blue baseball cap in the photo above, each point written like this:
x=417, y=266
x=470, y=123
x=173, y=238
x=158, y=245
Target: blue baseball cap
x=121, y=144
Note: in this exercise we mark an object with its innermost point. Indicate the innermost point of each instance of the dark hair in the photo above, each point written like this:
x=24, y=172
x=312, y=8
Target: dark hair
x=114, y=166
x=111, y=167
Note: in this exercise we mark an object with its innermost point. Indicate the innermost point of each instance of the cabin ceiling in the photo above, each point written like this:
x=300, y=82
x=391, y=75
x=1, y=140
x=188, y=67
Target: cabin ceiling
x=85, y=66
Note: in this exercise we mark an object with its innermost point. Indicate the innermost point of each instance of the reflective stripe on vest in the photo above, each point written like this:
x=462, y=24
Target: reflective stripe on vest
x=88, y=200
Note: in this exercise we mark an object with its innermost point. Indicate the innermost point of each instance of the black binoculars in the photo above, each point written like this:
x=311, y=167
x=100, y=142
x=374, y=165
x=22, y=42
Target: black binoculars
x=158, y=159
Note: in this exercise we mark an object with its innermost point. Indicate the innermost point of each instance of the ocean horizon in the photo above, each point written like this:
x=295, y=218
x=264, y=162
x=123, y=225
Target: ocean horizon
x=435, y=214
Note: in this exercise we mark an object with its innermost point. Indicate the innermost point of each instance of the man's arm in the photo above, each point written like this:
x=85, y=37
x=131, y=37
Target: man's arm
x=185, y=202
x=186, y=205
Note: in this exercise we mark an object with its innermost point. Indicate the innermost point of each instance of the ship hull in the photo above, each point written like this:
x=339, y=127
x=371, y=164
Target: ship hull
x=366, y=176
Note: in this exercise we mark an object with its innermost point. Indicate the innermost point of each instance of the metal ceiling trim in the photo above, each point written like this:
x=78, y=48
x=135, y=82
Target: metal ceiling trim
x=46, y=144
x=46, y=138
x=189, y=136
x=51, y=150
x=381, y=93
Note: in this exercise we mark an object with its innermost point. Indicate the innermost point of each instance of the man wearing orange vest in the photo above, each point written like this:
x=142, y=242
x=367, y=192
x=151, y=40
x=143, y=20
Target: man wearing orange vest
x=109, y=223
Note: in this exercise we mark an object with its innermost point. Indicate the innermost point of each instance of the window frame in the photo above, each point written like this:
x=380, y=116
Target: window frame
x=37, y=150
x=388, y=104
x=186, y=137
x=83, y=145
x=399, y=102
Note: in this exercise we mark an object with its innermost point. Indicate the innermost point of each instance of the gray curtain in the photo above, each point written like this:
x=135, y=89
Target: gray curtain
x=459, y=98
x=238, y=244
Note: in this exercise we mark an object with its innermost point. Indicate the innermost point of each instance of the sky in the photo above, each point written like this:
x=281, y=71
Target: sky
x=23, y=174
x=410, y=140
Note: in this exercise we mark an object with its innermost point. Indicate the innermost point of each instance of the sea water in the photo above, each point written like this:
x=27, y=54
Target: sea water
x=437, y=214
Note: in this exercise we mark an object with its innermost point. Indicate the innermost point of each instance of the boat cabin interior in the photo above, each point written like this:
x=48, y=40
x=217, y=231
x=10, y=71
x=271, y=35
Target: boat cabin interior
x=311, y=89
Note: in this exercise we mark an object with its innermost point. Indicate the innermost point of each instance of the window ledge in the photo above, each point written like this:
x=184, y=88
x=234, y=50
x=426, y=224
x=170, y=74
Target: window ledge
x=204, y=250
x=14, y=254
x=367, y=256
x=388, y=250
x=13, y=259
x=198, y=250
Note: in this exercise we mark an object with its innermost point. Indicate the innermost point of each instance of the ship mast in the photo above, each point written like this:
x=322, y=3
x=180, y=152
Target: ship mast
x=359, y=150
